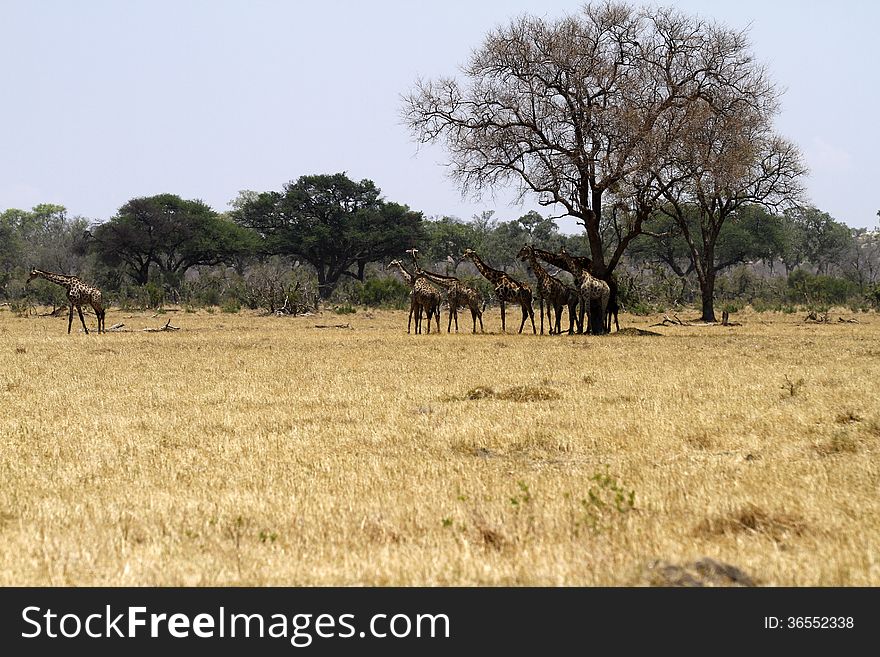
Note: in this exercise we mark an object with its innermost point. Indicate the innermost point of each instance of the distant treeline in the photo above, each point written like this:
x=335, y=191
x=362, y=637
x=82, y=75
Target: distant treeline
x=327, y=239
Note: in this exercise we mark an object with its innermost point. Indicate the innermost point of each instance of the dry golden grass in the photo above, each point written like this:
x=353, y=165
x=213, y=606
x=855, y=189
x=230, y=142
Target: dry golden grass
x=248, y=450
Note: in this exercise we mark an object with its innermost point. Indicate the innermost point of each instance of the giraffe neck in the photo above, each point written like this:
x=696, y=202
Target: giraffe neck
x=490, y=274
x=573, y=267
x=442, y=281
x=557, y=260
x=60, y=279
x=406, y=275
x=540, y=273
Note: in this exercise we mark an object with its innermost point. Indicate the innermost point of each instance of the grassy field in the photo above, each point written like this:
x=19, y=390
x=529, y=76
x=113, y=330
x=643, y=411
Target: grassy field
x=249, y=450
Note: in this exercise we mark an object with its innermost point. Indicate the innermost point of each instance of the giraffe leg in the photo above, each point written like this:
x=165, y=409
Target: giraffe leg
x=449, y=324
x=69, y=319
x=531, y=312
x=527, y=312
x=604, y=310
x=409, y=321
x=82, y=319
x=437, y=309
x=541, y=304
x=503, y=329
x=597, y=316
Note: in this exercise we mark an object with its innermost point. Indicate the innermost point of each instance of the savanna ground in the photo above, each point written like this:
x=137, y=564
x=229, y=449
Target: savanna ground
x=251, y=450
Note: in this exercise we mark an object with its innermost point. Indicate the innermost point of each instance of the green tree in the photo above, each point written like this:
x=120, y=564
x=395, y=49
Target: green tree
x=10, y=250
x=827, y=240
x=44, y=237
x=169, y=233
x=333, y=223
x=445, y=240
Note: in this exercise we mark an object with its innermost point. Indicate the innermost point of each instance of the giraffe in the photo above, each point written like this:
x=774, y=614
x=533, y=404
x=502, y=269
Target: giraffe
x=422, y=296
x=557, y=293
x=613, y=308
x=78, y=293
x=458, y=295
x=591, y=288
x=506, y=289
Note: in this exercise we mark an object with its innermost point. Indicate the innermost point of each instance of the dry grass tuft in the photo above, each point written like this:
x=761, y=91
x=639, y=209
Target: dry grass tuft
x=751, y=519
x=515, y=394
x=840, y=443
x=527, y=394
x=700, y=440
x=848, y=417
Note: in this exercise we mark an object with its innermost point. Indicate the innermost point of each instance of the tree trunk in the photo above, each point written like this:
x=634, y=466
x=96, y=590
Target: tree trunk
x=595, y=237
x=707, y=292
x=142, y=273
x=325, y=288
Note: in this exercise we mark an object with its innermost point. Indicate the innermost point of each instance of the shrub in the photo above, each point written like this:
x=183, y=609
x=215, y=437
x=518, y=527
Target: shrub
x=384, y=292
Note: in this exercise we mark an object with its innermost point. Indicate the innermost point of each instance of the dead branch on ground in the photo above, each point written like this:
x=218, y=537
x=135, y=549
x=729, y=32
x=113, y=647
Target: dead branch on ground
x=339, y=326
x=167, y=327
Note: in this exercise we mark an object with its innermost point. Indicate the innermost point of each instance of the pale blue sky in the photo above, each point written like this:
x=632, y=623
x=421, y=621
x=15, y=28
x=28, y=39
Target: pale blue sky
x=107, y=100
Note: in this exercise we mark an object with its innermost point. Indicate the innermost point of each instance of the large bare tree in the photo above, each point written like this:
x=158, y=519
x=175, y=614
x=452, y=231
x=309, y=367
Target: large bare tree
x=579, y=109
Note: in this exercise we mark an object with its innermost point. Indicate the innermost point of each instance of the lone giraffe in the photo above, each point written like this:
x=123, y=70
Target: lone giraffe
x=78, y=293
x=422, y=297
x=613, y=308
x=591, y=289
x=458, y=295
x=556, y=293
x=506, y=289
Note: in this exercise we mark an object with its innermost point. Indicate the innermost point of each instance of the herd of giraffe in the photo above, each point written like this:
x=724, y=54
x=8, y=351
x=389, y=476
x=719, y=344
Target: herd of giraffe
x=589, y=292
x=426, y=298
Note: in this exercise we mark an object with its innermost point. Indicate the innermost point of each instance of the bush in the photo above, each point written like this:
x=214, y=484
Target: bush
x=819, y=289
x=384, y=292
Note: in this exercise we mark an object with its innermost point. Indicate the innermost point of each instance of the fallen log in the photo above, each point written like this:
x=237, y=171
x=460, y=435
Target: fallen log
x=167, y=327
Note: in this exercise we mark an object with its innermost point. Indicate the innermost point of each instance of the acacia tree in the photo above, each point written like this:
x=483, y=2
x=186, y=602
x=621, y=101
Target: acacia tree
x=577, y=109
x=331, y=222
x=170, y=233
x=728, y=160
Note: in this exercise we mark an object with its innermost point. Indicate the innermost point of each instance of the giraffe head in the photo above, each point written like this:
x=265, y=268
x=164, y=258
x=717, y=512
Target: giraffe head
x=469, y=253
x=34, y=274
x=414, y=254
x=526, y=252
x=393, y=263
